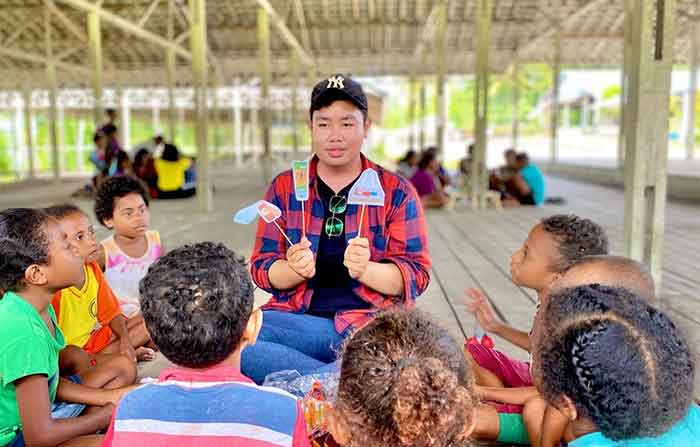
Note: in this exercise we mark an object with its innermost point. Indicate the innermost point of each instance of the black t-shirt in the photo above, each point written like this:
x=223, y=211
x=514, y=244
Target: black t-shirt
x=332, y=284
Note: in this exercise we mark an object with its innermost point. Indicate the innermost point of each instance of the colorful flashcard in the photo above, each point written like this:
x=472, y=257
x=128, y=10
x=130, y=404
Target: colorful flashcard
x=300, y=169
x=367, y=190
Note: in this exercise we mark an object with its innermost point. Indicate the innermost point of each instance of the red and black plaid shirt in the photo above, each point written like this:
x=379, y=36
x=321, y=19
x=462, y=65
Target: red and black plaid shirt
x=396, y=234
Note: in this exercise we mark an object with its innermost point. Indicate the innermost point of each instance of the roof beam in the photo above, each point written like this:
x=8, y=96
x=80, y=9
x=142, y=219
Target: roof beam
x=128, y=27
x=286, y=34
x=555, y=23
x=299, y=11
x=427, y=34
x=12, y=37
x=71, y=26
x=41, y=59
x=148, y=13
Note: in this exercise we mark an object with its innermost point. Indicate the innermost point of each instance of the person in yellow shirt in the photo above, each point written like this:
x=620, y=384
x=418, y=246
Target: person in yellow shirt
x=89, y=314
x=173, y=169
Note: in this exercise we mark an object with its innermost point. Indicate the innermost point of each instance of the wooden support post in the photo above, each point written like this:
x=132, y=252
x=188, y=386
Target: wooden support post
x=216, y=111
x=237, y=127
x=440, y=103
x=170, y=72
x=28, y=137
x=294, y=69
x=554, y=109
x=198, y=43
x=412, y=112
x=155, y=116
x=126, y=118
x=692, y=93
x=52, y=82
x=95, y=57
x=265, y=76
x=421, y=136
x=17, y=140
x=515, y=119
x=479, y=174
x=646, y=143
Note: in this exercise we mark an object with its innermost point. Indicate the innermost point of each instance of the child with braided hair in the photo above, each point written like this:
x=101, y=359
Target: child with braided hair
x=618, y=368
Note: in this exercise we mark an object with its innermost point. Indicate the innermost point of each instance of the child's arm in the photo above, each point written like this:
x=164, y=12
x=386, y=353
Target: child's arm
x=39, y=428
x=487, y=319
x=553, y=427
x=74, y=392
x=118, y=325
x=101, y=257
x=514, y=396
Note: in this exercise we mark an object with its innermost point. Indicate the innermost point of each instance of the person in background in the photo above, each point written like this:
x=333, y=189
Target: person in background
x=431, y=195
x=172, y=170
x=527, y=185
x=408, y=164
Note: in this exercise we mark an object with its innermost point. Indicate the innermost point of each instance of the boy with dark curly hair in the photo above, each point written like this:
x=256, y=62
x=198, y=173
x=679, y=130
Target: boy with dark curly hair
x=36, y=261
x=618, y=368
x=197, y=302
x=121, y=204
x=551, y=248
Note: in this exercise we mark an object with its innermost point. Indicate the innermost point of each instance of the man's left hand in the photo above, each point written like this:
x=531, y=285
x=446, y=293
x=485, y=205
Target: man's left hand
x=357, y=257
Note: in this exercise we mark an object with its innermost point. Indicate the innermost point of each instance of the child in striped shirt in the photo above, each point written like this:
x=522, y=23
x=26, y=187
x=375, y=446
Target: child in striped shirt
x=197, y=302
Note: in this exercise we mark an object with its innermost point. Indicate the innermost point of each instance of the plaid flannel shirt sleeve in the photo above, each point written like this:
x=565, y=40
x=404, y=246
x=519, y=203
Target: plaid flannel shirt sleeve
x=407, y=245
x=270, y=245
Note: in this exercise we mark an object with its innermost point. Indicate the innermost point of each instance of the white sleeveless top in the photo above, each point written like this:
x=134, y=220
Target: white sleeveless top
x=123, y=273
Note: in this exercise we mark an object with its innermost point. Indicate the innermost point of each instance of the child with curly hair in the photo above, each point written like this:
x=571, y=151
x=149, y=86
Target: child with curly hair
x=618, y=368
x=551, y=247
x=197, y=302
x=121, y=204
x=403, y=382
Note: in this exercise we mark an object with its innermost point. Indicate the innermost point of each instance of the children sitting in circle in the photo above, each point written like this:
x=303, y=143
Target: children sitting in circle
x=608, y=369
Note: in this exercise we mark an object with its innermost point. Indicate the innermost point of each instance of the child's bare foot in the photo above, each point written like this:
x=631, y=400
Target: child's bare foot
x=144, y=354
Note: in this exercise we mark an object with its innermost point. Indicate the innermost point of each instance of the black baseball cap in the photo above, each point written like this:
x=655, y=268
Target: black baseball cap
x=338, y=87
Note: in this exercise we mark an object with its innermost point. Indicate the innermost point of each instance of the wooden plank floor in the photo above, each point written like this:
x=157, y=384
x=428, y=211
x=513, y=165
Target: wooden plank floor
x=468, y=249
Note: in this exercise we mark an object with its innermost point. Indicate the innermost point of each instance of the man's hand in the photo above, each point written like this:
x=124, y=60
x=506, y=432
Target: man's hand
x=482, y=310
x=301, y=260
x=357, y=257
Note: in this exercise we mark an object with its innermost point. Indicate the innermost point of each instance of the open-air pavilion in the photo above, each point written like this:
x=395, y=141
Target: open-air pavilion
x=246, y=64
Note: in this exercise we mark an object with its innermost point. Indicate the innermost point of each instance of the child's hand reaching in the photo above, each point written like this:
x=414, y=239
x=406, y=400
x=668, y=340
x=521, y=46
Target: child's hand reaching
x=482, y=310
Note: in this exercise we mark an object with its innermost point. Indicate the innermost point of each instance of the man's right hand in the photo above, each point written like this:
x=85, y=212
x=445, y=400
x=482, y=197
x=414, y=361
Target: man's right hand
x=301, y=260
x=482, y=310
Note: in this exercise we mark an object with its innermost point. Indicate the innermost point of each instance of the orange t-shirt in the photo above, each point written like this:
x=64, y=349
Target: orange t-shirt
x=80, y=312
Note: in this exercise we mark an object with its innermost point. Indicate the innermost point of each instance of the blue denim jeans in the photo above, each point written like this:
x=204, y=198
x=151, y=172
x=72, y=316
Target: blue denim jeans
x=299, y=342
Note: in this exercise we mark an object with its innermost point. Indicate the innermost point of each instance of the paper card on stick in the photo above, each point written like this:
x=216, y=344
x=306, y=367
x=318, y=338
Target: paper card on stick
x=247, y=215
x=367, y=190
x=300, y=169
x=268, y=211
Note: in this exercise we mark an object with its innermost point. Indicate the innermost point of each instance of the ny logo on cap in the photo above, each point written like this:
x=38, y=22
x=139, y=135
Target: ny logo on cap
x=335, y=82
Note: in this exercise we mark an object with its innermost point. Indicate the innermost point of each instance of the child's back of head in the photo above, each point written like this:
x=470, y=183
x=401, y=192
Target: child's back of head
x=405, y=382
x=622, y=364
x=197, y=301
x=614, y=271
